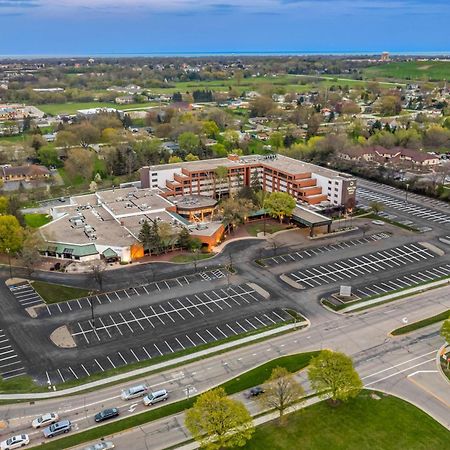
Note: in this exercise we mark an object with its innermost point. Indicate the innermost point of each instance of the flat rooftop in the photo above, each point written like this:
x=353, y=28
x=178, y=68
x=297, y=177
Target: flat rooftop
x=280, y=162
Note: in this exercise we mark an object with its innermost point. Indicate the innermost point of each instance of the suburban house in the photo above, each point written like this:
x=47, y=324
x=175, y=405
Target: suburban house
x=24, y=173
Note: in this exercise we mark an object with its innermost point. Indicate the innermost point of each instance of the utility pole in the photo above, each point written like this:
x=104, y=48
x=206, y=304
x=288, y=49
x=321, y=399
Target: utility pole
x=8, y=251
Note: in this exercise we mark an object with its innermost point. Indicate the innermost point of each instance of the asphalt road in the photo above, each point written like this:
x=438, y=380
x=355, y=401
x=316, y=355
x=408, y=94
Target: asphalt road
x=383, y=363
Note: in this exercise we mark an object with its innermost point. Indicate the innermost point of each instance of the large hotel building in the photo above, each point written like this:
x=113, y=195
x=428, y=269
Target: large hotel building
x=309, y=184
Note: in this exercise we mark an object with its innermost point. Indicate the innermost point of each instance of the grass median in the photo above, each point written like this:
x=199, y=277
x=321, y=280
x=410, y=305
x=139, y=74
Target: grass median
x=54, y=293
x=422, y=323
x=244, y=381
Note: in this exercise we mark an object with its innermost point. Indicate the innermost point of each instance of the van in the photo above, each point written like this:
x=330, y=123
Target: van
x=134, y=392
x=155, y=397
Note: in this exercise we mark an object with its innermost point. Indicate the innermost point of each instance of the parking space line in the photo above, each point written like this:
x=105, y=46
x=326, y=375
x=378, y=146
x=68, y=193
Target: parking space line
x=201, y=337
x=159, y=351
x=125, y=322
x=276, y=314
x=145, y=316
x=105, y=328
x=181, y=345
x=209, y=332
x=73, y=373
x=60, y=374
x=176, y=310
x=228, y=325
x=157, y=315
x=137, y=321
x=84, y=368
x=271, y=320
x=134, y=354
x=123, y=359
x=190, y=340
x=147, y=353
x=168, y=314
x=250, y=324
x=220, y=331
x=109, y=359
x=99, y=365
x=115, y=324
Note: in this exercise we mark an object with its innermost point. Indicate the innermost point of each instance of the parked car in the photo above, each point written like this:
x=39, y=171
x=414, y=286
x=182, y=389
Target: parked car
x=64, y=426
x=15, y=442
x=104, y=445
x=45, y=420
x=254, y=392
x=106, y=414
x=134, y=392
x=155, y=397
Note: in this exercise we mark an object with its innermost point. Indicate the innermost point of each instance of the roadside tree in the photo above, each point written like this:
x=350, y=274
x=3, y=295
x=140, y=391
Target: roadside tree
x=332, y=375
x=217, y=421
x=29, y=254
x=281, y=391
x=235, y=210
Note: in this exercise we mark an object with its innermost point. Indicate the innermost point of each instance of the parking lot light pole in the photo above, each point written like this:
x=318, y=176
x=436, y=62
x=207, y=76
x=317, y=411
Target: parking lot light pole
x=8, y=251
x=406, y=193
x=92, y=314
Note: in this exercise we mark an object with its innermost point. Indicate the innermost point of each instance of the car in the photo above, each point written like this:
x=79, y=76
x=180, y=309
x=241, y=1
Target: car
x=155, y=397
x=63, y=426
x=134, y=392
x=15, y=442
x=254, y=392
x=104, y=445
x=106, y=414
x=45, y=420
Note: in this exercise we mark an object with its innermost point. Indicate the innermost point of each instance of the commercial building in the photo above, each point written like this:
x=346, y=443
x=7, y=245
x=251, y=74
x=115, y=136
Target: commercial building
x=106, y=224
x=309, y=184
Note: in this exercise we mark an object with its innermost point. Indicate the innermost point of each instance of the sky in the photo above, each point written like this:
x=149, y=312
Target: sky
x=95, y=27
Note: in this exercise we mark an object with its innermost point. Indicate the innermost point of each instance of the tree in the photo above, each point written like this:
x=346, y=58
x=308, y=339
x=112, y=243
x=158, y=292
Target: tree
x=332, y=374
x=445, y=330
x=11, y=234
x=144, y=235
x=184, y=238
x=279, y=205
x=86, y=133
x=36, y=141
x=66, y=138
x=174, y=159
x=210, y=129
x=217, y=421
x=276, y=140
x=281, y=391
x=235, y=210
x=219, y=150
x=220, y=175
x=79, y=162
x=189, y=141
x=98, y=272
x=390, y=105
x=261, y=106
x=191, y=157
x=165, y=233
x=4, y=204
x=29, y=254
x=377, y=207
x=49, y=156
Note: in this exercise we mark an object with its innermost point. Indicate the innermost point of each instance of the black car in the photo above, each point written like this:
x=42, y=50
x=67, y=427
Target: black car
x=254, y=392
x=106, y=414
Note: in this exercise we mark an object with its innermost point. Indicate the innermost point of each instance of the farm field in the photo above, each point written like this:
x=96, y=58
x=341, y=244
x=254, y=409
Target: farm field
x=411, y=70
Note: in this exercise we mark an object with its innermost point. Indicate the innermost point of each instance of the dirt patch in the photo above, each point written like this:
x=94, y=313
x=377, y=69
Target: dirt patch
x=62, y=338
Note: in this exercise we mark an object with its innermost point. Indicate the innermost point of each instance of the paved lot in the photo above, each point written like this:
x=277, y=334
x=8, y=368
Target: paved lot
x=25, y=294
x=10, y=363
x=413, y=209
x=315, y=251
x=129, y=293
x=362, y=265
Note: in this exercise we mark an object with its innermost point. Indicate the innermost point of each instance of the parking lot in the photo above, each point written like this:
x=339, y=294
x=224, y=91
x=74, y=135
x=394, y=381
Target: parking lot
x=10, y=364
x=362, y=265
x=129, y=293
x=168, y=342
x=162, y=315
x=25, y=294
x=421, y=212
x=315, y=251
x=412, y=279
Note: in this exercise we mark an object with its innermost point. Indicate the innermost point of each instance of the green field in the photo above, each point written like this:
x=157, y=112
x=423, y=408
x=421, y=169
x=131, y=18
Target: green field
x=364, y=423
x=37, y=220
x=71, y=108
x=411, y=70
x=190, y=257
x=54, y=293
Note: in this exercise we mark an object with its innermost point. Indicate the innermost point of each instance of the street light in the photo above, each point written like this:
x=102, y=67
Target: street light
x=8, y=251
x=406, y=193
x=92, y=314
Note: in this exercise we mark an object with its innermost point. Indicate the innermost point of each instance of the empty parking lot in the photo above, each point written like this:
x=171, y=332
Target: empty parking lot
x=405, y=207
x=25, y=294
x=315, y=251
x=10, y=363
x=362, y=265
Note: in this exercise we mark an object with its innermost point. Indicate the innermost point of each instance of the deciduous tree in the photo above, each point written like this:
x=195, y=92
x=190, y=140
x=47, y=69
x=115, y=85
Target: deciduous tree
x=281, y=391
x=217, y=421
x=279, y=205
x=332, y=374
x=11, y=234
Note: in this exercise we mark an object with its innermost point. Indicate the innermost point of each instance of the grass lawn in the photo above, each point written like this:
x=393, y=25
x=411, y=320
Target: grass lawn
x=54, y=293
x=13, y=139
x=245, y=381
x=190, y=257
x=271, y=227
x=422, y=323
x=37, y=220
x=362, y=423
x=411, y=70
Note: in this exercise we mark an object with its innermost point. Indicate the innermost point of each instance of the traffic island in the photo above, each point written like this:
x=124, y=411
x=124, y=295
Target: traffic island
x=62, y=338
x=291, y=282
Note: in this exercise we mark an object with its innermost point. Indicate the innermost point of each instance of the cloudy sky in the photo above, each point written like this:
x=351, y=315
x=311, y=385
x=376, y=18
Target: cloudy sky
x=83, y=27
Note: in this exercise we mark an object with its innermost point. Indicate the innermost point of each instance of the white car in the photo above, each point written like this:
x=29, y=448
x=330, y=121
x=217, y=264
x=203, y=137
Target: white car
x=45, y=420
x=15, y=442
